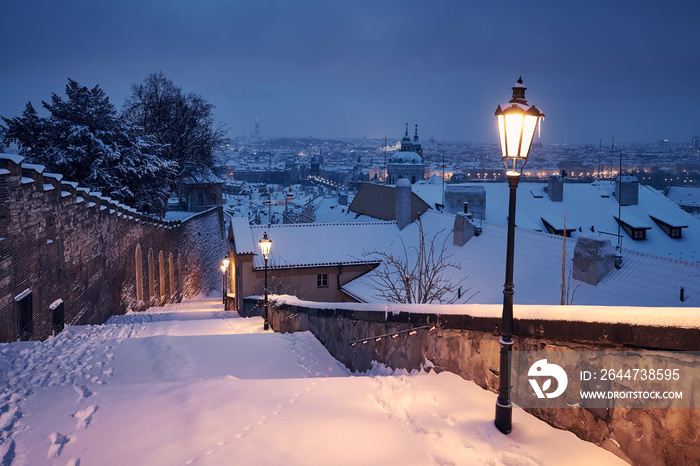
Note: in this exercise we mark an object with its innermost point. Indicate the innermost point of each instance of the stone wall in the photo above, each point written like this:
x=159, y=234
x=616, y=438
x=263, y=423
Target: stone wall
x=468, y=346
x=76, y=251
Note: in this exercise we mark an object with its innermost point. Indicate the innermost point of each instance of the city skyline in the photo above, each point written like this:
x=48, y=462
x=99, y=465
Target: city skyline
x=316, y=69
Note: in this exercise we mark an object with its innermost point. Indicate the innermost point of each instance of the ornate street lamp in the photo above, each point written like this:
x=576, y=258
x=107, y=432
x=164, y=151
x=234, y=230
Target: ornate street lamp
x=265, y=245
x=224, y=268
x=516, y=127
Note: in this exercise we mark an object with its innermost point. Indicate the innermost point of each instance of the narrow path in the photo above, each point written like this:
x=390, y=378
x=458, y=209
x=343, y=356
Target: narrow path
x=193, y=384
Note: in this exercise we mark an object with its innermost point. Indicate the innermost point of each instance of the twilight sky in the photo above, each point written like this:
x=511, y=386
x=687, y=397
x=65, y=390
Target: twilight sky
x=628, y=69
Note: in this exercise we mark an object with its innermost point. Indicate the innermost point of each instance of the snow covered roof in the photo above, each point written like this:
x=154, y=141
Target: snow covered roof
x=313, y=244
x=201, y=178
x=327, y=210
x=242, y=237
x=592, y=208
x=434, y=179
x=643, y=280
x=685, y=196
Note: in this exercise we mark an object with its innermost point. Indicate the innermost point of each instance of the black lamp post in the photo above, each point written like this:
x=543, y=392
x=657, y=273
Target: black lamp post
x=265, y=245
x=224, y=268
x=268, y=203
x=516, y=127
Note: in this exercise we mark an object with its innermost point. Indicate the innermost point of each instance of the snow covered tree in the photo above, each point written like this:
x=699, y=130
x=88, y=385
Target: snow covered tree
x=27, y=131
x=182, y=122
x=85, y=140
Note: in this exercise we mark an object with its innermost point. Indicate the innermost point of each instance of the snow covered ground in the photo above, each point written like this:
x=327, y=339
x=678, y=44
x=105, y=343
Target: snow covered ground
x=192, y=384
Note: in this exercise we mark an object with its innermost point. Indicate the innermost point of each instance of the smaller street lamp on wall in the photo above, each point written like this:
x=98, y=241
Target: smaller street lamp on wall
x=265, y=245
x=516, y=127
x=224, y=268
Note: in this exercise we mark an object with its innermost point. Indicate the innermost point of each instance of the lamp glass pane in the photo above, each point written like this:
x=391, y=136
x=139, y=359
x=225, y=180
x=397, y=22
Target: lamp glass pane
x=502, y=133
x=265, y=247
x=514, y=124
x=529, y=128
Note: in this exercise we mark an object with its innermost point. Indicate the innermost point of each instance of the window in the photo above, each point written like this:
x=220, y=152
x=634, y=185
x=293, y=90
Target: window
x=24, y=319
x=200, y=198
x=57, y=317
x=322, y=280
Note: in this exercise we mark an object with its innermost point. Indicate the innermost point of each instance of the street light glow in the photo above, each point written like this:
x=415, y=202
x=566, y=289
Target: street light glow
x=516, y=128
x=265, y=245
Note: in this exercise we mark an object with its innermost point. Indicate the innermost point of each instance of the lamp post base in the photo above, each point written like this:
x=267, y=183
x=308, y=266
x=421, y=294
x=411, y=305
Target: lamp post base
x=504, y=416
x=266, y=324
x=504, y=408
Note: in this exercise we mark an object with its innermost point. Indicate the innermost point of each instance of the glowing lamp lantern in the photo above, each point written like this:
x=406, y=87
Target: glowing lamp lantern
x=224, y=268
x=517, y=123
x=265, y=245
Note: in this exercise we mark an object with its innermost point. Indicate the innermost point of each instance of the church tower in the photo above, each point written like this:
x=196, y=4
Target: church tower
x=408, y=161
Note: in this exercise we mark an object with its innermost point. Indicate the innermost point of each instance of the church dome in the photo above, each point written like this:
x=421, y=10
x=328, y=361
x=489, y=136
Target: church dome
x=406, y=157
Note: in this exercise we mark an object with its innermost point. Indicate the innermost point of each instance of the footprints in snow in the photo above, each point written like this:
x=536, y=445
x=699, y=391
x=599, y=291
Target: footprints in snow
x=275, y=412
x=84, y=417
x=8, y=417
x=443, y=429
x=9, y=414
x=57, y=440
x=83, y=392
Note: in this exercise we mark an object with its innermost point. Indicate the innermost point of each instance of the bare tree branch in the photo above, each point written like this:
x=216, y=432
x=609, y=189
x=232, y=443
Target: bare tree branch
x=418, y=275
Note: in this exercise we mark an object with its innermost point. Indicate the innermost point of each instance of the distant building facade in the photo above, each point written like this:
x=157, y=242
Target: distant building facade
x=200, y=192
x=305, y=259
x=408, y=161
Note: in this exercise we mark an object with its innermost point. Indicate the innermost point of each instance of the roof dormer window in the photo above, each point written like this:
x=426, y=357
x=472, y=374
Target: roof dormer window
x=636, y=232
x=671, y=228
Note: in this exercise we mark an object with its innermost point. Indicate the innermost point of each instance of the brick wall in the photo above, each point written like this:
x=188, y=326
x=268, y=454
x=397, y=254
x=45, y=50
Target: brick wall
x=65, y=244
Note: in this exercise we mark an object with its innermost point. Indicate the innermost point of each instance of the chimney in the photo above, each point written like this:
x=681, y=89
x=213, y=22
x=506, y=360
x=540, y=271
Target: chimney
x=403, y=203
x=594, y=259
x=555, y=188
x=463, y=230
x=627, y=190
